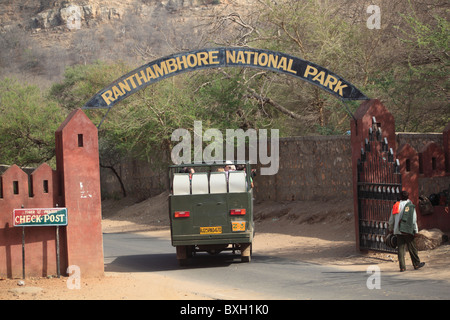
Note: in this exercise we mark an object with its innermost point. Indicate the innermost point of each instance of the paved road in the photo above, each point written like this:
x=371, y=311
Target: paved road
x=266, y=277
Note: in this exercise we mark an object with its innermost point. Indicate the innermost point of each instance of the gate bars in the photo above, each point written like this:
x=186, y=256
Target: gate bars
x=379, y=186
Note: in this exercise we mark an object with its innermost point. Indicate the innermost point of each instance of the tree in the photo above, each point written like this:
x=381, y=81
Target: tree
x=420, y=84
x=311, y=30
x=28, y=121
x=390, y=63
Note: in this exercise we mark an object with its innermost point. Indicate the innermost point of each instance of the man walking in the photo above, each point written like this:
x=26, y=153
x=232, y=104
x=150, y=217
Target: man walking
x=403, y=223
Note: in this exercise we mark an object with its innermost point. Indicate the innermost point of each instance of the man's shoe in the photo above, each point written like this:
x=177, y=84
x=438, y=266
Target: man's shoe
x=420, y=265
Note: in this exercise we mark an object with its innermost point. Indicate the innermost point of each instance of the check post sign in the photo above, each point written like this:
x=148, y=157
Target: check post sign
x=40, y=217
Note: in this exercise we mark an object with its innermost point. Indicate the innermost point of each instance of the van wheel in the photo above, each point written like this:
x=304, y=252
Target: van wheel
x=183, y=253
x=246, y=252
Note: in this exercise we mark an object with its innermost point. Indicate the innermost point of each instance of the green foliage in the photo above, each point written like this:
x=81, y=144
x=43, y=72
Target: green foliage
x=28, y=122
x=418, y=86
x=224, y=103
x=81, y=82
x=433, y=38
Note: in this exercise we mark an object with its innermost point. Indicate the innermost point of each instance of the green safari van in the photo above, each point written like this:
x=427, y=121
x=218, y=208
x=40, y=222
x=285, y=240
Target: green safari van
x=211, y=210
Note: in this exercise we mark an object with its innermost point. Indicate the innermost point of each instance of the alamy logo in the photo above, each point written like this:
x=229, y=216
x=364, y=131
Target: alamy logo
x=258, y=148
x=73, y=17
x=374, y=280
x=374, y=21
x=74, y=279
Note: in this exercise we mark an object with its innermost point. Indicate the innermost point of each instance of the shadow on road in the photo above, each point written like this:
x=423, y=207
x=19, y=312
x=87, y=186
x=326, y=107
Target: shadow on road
x=168, y=262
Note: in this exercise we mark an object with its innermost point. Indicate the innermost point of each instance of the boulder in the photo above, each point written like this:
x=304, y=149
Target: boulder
x=47, y=19
x=428, y=239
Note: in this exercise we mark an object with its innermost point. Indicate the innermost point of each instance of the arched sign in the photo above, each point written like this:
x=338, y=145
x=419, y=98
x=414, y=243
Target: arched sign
x=222, y=57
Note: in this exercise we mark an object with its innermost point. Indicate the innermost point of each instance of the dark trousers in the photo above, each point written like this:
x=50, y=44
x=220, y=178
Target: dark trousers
x=403, y=241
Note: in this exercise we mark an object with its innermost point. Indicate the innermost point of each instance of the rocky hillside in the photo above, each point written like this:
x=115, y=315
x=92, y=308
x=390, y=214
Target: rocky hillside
x=46, y=14
x=39, y=39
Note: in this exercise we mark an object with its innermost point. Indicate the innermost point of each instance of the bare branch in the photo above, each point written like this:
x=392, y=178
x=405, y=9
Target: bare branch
x=253, y=94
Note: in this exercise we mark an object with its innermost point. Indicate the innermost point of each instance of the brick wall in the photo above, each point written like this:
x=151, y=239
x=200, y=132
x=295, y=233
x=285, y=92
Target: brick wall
x=75, y=184
x=17, y=190
x=425, y=171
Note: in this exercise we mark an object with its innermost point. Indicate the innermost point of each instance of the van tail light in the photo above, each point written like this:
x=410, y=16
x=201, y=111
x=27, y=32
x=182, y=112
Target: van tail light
x=237, y=212
x=182, y=214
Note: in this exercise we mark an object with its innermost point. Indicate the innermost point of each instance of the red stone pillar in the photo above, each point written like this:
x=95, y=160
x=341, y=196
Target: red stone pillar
x=78, y=170
x=364, y=117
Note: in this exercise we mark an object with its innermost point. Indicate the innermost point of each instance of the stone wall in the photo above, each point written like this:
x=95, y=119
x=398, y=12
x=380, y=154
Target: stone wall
x=311, y=168
x=141, y=179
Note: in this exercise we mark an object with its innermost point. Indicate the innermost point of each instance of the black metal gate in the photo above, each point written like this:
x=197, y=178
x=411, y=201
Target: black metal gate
x=379, y=185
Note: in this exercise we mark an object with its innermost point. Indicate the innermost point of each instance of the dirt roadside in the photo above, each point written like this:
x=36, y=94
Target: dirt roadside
x=311, y=231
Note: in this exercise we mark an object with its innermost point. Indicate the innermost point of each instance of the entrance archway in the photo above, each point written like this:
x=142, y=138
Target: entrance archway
x=174, y=64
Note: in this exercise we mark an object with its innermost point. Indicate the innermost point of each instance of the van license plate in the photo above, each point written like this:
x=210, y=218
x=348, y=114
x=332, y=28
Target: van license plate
x=238, y=225
x=210, y=230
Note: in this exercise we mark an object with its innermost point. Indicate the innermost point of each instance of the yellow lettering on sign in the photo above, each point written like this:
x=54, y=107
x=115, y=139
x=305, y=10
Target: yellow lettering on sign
x=230, y=56
x=261, y=59
x=289, y=67
x=249, y=56
x=142, y=77
x=130, y=78
x=124, y=86
x=192, y=60
x=262, y=62
x=107, y=96
x=213, y=58
x=273, y=61
x=160, y=70
x=117, y=92
x=320, y=77
x=339, y=88
x=150, y=73
x=310, y=70
x=182, y=61
x=240, y=57
x=330, y=82
x=202, y=58
x=282, y=64
x=172, y=65
x=325, y=80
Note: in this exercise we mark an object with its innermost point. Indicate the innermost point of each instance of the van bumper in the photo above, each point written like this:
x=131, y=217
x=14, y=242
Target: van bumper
x=226, y=238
